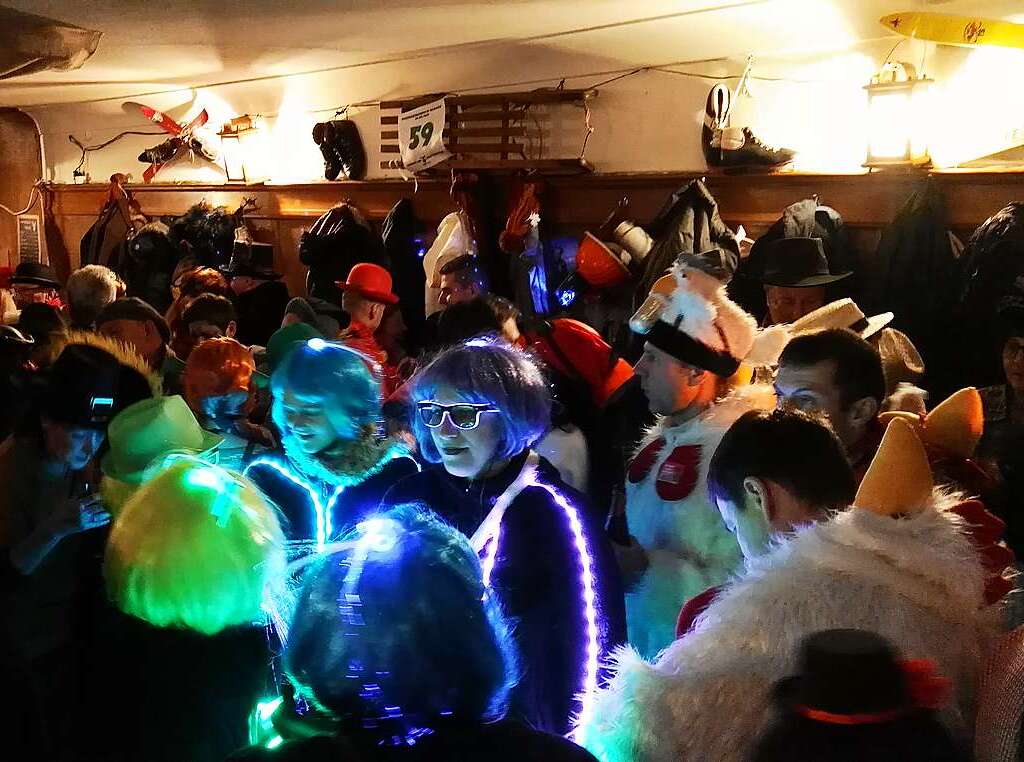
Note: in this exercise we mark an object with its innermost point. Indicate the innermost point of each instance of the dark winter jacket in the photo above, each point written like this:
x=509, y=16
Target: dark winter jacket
x=688, y=223
x=339, y=239
x=537, y=575
x=503, y=741
x=260, y=312
x=345, y=498
x=913, y=275
x=403, y=250
x=988, y=282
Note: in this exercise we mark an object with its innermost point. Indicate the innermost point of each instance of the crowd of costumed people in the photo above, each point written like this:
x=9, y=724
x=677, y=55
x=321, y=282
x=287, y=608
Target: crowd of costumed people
x=692, y=504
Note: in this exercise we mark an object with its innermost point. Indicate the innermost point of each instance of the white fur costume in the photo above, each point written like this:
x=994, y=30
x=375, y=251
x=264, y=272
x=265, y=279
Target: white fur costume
x=916, y=581
x=688, y=546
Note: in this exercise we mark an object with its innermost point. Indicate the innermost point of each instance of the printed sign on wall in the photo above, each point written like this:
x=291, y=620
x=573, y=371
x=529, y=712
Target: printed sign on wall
x=29, y=245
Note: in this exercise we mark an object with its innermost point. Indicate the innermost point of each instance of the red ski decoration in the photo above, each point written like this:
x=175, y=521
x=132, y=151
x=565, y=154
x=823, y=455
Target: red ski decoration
x=183, y=137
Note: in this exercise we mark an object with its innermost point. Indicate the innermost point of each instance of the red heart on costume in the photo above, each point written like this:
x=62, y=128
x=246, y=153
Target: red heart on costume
x=642, y=462
x=678, y=475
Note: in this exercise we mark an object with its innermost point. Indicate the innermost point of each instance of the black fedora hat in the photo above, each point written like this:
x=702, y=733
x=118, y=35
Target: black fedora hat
x=35, y=274
x=253, y=259
x=848, y=677
x=87, y=386
x=797, y=263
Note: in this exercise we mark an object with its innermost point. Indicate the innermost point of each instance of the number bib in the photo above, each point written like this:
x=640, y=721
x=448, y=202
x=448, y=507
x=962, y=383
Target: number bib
x=421, y=136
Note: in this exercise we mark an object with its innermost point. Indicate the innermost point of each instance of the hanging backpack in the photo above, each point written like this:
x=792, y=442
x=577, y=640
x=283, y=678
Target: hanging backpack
x=105, y=243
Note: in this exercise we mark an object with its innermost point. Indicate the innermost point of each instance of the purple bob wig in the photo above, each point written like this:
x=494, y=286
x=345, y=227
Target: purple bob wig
x=489, y=372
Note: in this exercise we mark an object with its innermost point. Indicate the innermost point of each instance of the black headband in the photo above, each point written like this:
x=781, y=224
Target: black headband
x=687, y=349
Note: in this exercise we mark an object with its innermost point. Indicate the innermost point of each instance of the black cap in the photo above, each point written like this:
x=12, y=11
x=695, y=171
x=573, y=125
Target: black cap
x=133, y=308
x=87, y=386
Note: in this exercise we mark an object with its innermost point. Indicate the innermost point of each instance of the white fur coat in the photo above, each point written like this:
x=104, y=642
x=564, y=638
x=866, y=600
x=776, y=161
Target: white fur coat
x=688, y=546
x=916, y=581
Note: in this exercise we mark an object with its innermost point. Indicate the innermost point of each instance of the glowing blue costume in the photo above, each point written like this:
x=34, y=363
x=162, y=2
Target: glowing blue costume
x=553, y=571
x=317, y=504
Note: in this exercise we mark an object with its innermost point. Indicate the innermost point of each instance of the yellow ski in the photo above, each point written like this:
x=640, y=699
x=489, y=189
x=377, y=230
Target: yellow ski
x=947, y=29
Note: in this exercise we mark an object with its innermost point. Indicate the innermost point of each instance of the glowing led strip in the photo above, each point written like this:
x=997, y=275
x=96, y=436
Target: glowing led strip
x=323, y=521
x=486, y=541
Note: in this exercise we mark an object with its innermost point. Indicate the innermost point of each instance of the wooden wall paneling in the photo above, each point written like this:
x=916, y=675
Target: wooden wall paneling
x=21, y=165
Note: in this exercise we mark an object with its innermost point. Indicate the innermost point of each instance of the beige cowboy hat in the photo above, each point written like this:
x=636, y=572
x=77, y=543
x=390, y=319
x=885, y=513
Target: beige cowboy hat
x=842, y=313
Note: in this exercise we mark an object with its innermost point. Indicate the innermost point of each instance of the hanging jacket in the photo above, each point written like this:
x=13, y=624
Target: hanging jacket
x=528, y=527
x=403, y=250
x=105, y=242
x=988, y=282
x=338, y=240
x=688, y=223
x=913, y=275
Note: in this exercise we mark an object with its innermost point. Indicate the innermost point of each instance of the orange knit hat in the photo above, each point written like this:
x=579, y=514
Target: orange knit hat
x=217, y=366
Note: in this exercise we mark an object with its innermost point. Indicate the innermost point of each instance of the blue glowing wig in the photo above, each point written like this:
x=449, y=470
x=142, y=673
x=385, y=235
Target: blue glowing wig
x=394, y=631
x=329, y=373
x=494, y=373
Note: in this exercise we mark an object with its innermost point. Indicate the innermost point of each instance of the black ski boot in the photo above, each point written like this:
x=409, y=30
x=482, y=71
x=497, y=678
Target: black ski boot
x=348, y=148
x=741, y=148
x=323, y=135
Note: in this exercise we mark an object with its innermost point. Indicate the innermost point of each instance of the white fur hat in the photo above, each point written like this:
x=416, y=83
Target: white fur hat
x=689, y=316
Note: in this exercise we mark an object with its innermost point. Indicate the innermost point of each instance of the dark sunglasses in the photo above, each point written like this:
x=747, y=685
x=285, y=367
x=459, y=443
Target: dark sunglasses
x=463, y=415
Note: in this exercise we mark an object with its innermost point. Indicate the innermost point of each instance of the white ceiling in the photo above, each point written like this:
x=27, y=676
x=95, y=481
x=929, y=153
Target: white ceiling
x=152, y=46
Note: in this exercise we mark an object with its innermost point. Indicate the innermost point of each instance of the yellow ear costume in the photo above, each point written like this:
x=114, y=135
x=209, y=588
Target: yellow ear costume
x=899, y=479
x=954, y=426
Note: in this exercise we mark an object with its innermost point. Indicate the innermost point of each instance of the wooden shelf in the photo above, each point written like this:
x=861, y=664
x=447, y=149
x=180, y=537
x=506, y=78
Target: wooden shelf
x=504, y=114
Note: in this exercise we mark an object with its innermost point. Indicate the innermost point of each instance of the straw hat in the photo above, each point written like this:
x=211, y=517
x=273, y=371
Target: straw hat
x=842, y=313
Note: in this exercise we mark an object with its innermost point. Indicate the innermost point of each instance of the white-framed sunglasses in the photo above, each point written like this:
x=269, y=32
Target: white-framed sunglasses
x=463, y=415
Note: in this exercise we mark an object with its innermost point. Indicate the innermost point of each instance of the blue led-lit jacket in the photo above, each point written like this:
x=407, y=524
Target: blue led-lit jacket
x=322, y=496
x=537, y=572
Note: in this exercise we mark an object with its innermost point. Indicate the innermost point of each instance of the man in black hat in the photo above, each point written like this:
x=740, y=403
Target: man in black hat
x=48, y=504
x=260, y=296
x=35, y=282
x=795, y=276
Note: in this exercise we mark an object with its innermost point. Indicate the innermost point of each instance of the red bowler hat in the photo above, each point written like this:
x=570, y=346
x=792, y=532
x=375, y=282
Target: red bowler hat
x=371, y=281
x=598, y=265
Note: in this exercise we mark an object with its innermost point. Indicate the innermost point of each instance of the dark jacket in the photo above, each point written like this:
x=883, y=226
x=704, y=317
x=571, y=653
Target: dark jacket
x=537, y=577
x=260, y=311
x=913, y=275
x=338, y=240
x=403, y=250
x=350, y=507
x=169, y=695
x=988, y=282
x=688, y=223
x=503, y=741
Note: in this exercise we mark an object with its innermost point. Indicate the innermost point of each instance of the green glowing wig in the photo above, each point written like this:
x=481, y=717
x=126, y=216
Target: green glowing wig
x=195, y=547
